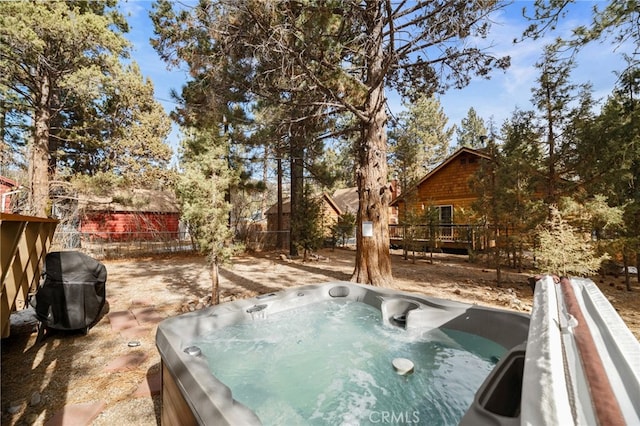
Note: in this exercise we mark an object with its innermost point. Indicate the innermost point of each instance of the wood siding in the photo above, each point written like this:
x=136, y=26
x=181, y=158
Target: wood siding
x=447, y=185
x=175, y=410
x=25, y=241
x=130, y=226
x=328, y=216
x=7, y=185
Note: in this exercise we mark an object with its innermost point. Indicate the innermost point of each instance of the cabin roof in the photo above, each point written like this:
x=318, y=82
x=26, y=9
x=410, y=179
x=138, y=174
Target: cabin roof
x=439, y=167
x=137, y=200
x=8, y=182
x=286, y=205
x=347, y=199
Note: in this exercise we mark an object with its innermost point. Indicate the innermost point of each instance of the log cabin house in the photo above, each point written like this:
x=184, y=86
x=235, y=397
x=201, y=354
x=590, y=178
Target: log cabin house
x=348, y=200
x=345, y=200
x=446, y=189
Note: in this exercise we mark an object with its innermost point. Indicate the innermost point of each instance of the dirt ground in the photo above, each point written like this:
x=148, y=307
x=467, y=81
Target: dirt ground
x=39, y=379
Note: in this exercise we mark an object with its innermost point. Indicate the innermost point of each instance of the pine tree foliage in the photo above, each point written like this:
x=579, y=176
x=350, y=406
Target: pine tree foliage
x=121, y=132
x=310, y=233
x=419, y=141
x=563, y=250
x=594, y=215
x=61, y=66
x=202, y=188
x=40, y=47
x=555, y=98
x=613, y=20
x=518, y=175
x=343, y=228
x=339, y=57
x=602, y=154
x=487, y=186
x=608, y=162
x=595, y=219
x=471, y=130
x=420, y=228
x=608, y=154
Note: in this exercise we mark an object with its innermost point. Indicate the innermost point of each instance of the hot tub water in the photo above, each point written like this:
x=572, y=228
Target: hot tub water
x=331, y=363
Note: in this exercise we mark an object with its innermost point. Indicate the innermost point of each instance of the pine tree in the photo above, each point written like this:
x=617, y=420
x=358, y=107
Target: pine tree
x=50, y=49
x=343, y=228
x=614, y=21
x=419, y=141
x=202, y=189
x=564, y=250
x=608, y=162
x=338, y=57
x=486, y=185
x=61, y=66
x=310, y=232
x=519, y=180
x=471, y=130
x=554, y=98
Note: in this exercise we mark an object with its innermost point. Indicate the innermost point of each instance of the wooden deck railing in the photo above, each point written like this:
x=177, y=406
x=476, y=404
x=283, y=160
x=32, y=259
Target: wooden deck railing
x=470, y=236
x=24, y=241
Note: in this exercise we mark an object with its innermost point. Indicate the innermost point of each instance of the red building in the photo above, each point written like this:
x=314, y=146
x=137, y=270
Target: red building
x=7, y=189
x=135, y=215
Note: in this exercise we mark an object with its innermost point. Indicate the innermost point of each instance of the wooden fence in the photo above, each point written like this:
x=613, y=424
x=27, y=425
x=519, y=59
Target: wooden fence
x=24, y=241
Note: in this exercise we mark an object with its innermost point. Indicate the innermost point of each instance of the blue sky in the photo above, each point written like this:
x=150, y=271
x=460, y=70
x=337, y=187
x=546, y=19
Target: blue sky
x=495, y=98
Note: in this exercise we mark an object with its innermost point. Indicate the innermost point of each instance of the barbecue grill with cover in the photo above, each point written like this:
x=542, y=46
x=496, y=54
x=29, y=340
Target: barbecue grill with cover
x=72, y=294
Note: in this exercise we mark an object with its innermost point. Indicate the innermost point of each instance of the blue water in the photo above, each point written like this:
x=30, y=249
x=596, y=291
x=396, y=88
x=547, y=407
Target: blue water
x=330, y=364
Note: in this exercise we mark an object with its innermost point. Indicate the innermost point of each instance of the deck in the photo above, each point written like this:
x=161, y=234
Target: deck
x=442, y=237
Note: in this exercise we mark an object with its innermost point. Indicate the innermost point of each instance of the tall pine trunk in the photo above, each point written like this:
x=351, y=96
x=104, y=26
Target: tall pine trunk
x=215, y=282
x=373, y=260
x=279, y=234
x=625, y=264
x=297, y=188
x=39, y=153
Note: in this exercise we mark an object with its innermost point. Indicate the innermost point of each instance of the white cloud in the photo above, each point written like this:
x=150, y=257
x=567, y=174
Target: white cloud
x=134, y=8
x=499, y=96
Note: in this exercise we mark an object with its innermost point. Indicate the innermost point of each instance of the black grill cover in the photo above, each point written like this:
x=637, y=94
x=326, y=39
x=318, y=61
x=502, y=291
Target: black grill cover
x=73, y=292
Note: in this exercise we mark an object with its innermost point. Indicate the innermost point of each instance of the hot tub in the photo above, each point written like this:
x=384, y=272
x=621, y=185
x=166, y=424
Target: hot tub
x=192, y=394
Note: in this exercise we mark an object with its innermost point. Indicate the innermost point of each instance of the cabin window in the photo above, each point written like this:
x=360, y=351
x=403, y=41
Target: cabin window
x=445, y=214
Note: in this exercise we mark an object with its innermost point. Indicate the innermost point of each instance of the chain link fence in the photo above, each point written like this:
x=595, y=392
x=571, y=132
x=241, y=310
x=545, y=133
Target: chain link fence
x=104, y=245
x=268, y=240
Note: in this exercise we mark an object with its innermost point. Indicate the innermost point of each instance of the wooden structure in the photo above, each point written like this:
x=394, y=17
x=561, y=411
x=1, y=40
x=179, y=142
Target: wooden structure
x=175, y=409
x=348, y=200
x=24, y=244
x=328, y=216
x=8, y=188
x=445, y=188
x=137, y=215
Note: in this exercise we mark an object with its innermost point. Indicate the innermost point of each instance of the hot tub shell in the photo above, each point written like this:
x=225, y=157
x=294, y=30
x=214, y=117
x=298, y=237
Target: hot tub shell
x=193, y=395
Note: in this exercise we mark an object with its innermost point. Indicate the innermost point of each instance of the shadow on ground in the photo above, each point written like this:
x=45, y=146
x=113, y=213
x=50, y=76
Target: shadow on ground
x=39, y=372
